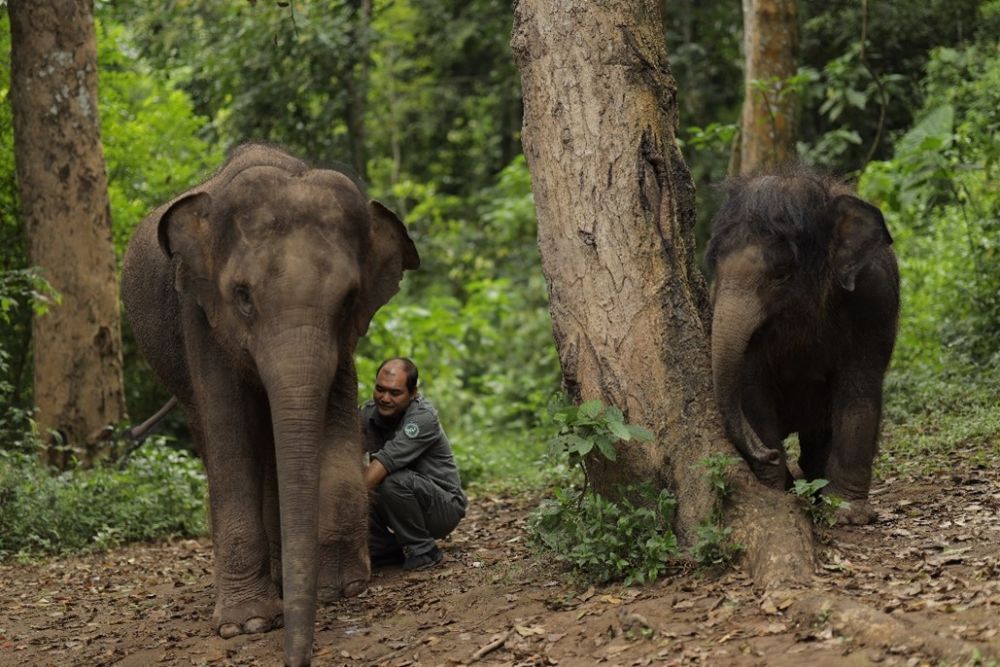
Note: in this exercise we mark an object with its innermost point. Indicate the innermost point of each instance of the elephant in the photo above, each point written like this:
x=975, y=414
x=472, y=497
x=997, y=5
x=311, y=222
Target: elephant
x=805, y=306
x=247, y=295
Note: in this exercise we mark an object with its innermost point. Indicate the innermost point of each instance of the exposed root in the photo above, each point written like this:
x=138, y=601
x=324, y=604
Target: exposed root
x=870, y=627
x=775, y=534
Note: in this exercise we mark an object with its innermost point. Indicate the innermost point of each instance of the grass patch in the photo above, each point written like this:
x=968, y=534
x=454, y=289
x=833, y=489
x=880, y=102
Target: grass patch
x=934, y=420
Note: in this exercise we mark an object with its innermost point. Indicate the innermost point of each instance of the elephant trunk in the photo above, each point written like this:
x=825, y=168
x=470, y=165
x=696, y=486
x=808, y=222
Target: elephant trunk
x=737, y=314
x=298, y=383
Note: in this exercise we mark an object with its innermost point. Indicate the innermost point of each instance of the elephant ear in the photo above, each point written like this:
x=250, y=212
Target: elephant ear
x=390, y=252
x=185, y=229
x=859, y=234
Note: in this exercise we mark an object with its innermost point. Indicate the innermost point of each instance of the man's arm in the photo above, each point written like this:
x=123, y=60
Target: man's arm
x=375, y=473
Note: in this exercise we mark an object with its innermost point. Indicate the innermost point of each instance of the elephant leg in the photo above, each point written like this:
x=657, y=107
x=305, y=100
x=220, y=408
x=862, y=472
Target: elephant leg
x=344, y=567
x=233, y=436
x=814, y=449
x=857, y=410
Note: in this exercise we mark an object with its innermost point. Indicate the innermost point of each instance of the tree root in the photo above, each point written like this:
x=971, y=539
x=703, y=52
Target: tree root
x=775, y=534
x=869, y=627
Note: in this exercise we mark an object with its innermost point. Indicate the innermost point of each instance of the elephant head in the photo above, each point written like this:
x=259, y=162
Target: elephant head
x=287, y=265
x=785, y=251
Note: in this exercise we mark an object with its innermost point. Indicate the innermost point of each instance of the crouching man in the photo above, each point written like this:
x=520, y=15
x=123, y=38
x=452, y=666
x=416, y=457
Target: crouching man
x=418, y=497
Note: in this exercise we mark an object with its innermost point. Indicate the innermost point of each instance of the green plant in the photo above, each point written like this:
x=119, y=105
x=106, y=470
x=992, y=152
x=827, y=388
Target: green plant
x=606, y=540
x=629, y=538
x=822, y=508
x=717, y=466
x=591, y=427
x=22, y=290
x=714, y=544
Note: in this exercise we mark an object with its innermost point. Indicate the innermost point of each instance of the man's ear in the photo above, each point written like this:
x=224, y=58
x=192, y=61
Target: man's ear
x=390, y=252
x=859, y=233
x=185, y=229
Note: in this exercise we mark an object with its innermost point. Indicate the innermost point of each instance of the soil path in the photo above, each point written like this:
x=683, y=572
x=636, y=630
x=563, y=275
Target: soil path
x=932, y=561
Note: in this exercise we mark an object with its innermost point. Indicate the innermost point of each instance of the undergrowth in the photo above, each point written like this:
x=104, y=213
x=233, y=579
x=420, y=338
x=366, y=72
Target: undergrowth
x=161, y=492
x=934, y=420
x=605, y=540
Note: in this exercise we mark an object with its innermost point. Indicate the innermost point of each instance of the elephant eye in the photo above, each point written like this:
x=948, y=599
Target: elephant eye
x=241, y=294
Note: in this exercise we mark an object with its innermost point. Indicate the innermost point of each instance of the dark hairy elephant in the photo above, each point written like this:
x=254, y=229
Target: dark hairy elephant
x=247, y=295
x=805, y=308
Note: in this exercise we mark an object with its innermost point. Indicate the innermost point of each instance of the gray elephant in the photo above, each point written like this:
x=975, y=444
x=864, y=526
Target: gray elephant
x=805, y=309
x=247, y=296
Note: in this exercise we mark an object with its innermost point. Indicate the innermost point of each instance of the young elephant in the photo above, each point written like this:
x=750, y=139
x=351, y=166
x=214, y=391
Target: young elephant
x=247, y=295
x=806, y=301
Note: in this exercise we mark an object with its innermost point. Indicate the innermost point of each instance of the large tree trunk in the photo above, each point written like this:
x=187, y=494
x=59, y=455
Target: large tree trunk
x=615, y=206
x=770, y=108
x=64, y=199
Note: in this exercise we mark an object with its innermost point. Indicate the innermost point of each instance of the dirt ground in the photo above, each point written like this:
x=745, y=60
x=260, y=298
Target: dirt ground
x=932, y=562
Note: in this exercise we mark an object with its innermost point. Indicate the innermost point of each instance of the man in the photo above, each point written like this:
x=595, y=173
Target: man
x=418, y=495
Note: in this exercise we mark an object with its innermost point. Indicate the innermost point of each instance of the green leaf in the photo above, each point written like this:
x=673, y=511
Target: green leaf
x=607, y=449
x=939, y=123
x=614, y=415
x=639, y=433
x=590, y=408
x=620, y=430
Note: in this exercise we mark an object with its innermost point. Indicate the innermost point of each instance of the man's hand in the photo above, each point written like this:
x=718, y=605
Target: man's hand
x=374, y=474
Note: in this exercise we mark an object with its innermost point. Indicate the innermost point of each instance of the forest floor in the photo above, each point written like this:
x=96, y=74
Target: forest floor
x=932, y=561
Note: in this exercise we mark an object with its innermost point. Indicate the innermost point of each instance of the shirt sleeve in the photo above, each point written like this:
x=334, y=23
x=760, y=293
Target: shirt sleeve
x=417, y=432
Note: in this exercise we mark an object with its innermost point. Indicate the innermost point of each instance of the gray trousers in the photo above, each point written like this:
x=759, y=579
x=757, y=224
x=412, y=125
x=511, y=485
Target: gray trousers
x=415, y=510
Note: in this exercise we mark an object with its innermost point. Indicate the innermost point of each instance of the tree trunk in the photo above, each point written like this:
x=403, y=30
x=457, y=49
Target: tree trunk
x=64, y=199
x=770, y=107
x=630, y=312
x=358, y=87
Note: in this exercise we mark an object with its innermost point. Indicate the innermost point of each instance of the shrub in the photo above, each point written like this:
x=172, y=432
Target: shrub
x=605, y=540
x=161, y=492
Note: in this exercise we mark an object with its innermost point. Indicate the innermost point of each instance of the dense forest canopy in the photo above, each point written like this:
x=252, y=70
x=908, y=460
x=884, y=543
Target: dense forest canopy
x=421, y=102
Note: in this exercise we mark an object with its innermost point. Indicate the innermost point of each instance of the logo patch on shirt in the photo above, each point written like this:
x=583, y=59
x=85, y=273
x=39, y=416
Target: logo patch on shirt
x=411, y=430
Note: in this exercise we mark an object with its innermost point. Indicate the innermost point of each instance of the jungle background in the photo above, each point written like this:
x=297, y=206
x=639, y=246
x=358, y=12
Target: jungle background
x=421, y=101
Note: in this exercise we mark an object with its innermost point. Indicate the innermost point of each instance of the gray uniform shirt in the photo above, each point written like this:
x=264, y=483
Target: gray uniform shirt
x=415, y=441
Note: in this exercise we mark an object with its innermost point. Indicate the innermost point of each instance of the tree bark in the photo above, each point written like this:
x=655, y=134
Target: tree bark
x=64, y=200
x=630, y=311
x=769, y=122
x=358, y=87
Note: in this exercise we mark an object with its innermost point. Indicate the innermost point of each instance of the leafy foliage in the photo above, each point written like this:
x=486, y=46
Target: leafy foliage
x=630, y=537
x=161, y=492
x=939, y=196
x=592, y=427
x=714, y=545
x=20, y=290
x=821, y=507
x=606, y=540
x=940, y=200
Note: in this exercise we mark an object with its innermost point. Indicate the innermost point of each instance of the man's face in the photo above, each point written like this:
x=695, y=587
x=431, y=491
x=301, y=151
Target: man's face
x=391, y=395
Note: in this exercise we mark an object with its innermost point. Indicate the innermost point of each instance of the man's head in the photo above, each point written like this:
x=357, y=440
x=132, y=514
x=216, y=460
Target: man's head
x=395, y=386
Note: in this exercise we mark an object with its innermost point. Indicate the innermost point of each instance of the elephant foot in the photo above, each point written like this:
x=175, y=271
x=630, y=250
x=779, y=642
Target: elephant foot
x=248, y=618
x=858, y=513
x=344, y=575
x=331, y=593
